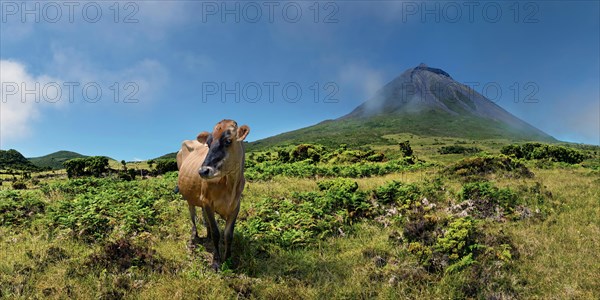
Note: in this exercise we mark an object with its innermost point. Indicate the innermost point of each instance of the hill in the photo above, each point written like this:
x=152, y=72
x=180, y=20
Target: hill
x=424, y=101
x=14, y=160
x=54, y=160
x=172, y=155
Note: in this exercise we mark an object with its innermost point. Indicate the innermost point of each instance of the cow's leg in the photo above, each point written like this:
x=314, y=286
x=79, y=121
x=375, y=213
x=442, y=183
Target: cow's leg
x=205, y=222
x=213, y=228
x=228, y=232
x=194, y=239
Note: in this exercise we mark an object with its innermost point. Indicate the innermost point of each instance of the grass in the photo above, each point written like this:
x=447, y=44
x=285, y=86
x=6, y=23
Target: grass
x=558, y=254
x=554, y=256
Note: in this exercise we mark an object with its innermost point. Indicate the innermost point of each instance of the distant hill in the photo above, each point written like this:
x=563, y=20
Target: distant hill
x=172, y=155
x=423, y=101
x=54, y=160
x=14, y=160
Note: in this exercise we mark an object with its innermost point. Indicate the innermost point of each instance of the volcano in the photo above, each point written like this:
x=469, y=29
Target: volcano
x=425, y=101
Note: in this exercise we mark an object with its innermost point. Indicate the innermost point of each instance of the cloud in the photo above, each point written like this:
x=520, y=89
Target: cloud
x=581, y=123
x=576, y=114
x=142, y=80
x=20, y=109
x=361, y=80
x=158, y=18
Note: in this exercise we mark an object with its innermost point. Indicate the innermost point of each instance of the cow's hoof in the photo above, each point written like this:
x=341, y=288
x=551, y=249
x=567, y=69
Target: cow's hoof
x=194, y=241
x=216, y=266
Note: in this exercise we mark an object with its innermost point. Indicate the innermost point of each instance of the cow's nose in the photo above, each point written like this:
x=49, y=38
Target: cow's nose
x=204, y=171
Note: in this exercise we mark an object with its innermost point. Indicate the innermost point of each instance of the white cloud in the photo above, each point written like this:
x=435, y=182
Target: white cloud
x=362, y=80
x=158, y=18
x=20, y=109
x=148, y=76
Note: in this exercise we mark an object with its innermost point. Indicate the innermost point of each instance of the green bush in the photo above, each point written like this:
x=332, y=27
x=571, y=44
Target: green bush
x=19, y=185
x=488, y=164
x=456, y=149
x=96, y=208
x=304, y=152
x=457, y=239
x=93, y=165
x=297, y=221
x=486, y=198
x=165, y=165
x=405, y=148
x=18, y=208
x=75, y=167
x=544, y=151
x=268, y=169
x=399, y=193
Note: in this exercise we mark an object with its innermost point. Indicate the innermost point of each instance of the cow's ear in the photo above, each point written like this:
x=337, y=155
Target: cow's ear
x=202, y=137
x=242, y=132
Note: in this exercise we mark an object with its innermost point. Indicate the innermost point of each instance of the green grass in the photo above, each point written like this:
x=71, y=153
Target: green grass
x=392, y=243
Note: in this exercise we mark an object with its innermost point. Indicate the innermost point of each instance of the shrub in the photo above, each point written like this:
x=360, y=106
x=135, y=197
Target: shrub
x=377, y=157
x=283, y=155
x=75, y=167
x=305, y=169
x=456, y=149
x=296, y=221
x=93, y=165
x=488, y=164
x=306, y=151
x=100, y=207
x=440, y=245
x=544, y=151
x=19, y=185
x=405, y=148
x=399, y=193
x=486, y=199
x=457, y=239
x=18, y=208
x=165, y=165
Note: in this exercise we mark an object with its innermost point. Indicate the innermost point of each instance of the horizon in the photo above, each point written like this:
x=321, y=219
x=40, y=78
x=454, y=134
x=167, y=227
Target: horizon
x=145, y=76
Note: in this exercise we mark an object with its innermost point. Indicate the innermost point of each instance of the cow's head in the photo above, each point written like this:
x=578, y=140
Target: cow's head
x=225, y=149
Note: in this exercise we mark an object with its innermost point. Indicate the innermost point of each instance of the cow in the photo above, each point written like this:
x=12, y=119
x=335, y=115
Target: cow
x=211, y=176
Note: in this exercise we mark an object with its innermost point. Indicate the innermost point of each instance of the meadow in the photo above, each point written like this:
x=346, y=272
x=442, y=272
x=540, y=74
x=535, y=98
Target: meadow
x=435, y=218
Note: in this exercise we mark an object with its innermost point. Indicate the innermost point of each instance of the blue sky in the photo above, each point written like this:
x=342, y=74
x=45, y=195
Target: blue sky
x=173, y=62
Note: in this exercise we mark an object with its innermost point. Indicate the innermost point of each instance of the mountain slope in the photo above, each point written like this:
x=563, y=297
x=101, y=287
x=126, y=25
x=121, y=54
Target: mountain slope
x=54, y=160
x=14, y=160
x=423, y=101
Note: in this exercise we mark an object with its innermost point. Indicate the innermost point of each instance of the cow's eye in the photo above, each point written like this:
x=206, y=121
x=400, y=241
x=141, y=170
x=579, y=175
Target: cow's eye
x=227, y=142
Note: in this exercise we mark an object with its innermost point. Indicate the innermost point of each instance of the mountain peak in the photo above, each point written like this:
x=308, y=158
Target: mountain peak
x=424, y=67
x=423, y=89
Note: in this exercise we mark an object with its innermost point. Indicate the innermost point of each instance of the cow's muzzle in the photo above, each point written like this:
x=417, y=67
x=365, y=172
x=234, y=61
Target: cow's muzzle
x=207, y=172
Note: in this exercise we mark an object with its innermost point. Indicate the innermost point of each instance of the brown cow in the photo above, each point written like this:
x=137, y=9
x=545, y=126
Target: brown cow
x=211, y=176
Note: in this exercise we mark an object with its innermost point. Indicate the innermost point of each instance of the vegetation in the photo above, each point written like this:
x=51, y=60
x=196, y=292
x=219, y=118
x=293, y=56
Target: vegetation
x=365, y=131
x=88, y=166
x=13, y=160
x=458, y=149
x=54, y=161
x=164, y=166
x=475, y=168
x=316, y=222
x=543, y=151
x=309, y=160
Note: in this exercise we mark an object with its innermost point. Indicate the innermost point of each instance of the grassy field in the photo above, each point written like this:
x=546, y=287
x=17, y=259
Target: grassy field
x=430, y=230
